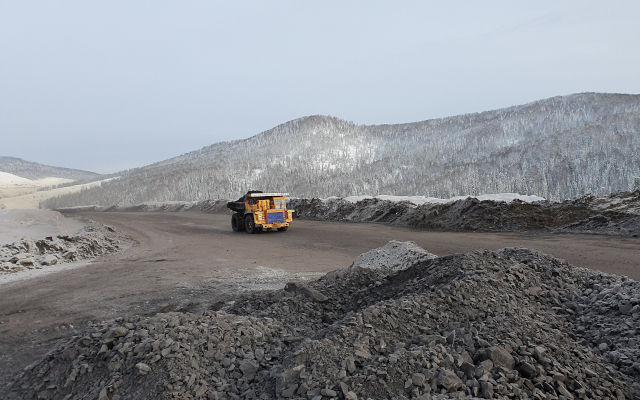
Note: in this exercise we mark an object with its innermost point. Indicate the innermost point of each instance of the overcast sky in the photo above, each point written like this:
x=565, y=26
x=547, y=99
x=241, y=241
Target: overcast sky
x=110, y=85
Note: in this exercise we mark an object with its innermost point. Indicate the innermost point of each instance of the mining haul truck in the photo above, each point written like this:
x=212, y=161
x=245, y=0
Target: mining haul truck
x=256, y=212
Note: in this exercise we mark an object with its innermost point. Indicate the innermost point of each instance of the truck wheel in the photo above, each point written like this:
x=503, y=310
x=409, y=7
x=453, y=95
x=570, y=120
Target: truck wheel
x=249, y=224
x=236, y=223
x=283, y=229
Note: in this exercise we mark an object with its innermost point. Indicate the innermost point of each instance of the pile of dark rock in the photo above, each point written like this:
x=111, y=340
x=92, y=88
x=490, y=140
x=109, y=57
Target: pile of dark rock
x=617, y=214
x=92, y=241
x=513, y=324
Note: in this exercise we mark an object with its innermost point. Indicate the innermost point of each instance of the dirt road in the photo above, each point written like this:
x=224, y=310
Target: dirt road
x=191, y=261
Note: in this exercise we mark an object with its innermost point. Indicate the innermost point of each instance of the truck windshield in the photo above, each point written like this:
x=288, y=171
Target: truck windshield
x=279, y=203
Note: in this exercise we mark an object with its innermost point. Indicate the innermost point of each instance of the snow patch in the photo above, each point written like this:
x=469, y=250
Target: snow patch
x=7, y=179
x=52, y=181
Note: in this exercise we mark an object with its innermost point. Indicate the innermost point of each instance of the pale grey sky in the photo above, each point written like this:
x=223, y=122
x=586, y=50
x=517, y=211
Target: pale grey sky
x=116, y=84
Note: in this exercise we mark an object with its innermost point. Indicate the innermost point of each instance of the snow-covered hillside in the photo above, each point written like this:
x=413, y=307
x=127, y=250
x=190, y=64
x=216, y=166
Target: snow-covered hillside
x=10, y=180
x=23, y=184
x=556, y=148
x=13, y=185
x=36, y=171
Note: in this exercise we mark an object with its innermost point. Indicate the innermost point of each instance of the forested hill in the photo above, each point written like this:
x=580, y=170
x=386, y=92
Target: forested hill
x=557, y=148
x=32, y=170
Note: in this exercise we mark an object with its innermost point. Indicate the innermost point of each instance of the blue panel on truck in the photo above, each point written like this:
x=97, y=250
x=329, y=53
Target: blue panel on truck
x=275, y=217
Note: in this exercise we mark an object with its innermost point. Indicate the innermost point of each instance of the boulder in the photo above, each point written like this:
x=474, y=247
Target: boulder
x=500, y=357
x=27, y=262
x=449, y=380
x=49, y=259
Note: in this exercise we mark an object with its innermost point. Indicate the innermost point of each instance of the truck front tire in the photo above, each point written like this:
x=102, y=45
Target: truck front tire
x=237, y=224
x=249, y=224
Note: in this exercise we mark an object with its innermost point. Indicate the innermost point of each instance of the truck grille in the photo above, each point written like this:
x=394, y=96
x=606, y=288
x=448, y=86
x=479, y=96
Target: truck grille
x=275, y=217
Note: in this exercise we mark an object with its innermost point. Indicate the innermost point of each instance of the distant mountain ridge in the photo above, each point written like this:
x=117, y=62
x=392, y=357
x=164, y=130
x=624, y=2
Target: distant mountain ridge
x=556, y=148
x=33, y=170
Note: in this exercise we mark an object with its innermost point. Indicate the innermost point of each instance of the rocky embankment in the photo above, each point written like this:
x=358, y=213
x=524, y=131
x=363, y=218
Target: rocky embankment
x=207, y=206
x=618, y=214
x=398, y=324
x=91, y=241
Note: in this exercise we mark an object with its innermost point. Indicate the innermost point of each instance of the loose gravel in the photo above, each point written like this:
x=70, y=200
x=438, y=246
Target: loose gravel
x=514, y=323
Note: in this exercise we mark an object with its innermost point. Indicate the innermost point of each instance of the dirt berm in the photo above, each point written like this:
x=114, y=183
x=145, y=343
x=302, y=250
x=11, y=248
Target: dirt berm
x=508, y=324
x=91, y=241
x=617, y=214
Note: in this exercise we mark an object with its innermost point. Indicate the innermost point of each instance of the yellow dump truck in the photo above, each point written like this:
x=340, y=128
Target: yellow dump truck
x=257, y=211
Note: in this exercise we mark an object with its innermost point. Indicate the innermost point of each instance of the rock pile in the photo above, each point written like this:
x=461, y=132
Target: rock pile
x=92, y=241
x=618, y=214
x=509, y=324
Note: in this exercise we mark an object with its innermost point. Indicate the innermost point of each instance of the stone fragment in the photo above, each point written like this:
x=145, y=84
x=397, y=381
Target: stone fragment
x=486, y=390
x=119, y=331
x=343, y=388
x=49, y=259
x=590, y=373
x=27, y=262
x=351, y=365
x=249, y=369
x=20, y=256
x=103, y=395
x=526, y=370
x=558, y=377
x=143, y=368
x=538, y=352
x=468, y=369
x=289, y=391
x=449, y=380
x=562, y=390
x=351, y=396
x=418, y=379
x=328, y=392
x=625, y=307
x=501, y=357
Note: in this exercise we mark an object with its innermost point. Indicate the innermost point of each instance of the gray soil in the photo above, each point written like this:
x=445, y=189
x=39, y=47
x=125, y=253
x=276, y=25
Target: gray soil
x=193, y=262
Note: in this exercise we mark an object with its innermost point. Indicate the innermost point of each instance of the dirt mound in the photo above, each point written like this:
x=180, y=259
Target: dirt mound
x=91, y=241
x=513, y=323
x=618, y=214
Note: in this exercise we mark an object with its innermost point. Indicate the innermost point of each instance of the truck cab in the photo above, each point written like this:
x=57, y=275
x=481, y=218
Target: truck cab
x=257, y=211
